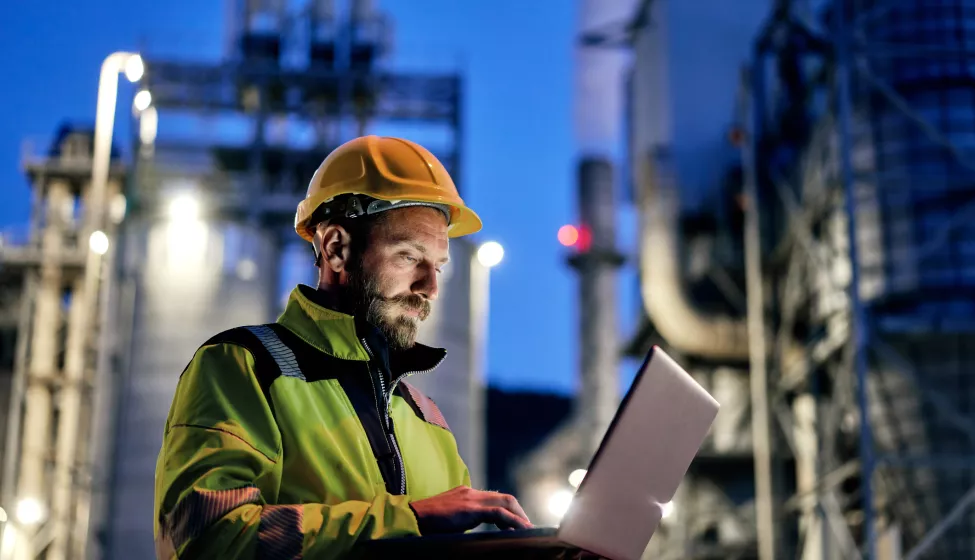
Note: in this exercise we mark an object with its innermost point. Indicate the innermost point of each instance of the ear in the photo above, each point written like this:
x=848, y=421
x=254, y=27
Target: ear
x=333, y=243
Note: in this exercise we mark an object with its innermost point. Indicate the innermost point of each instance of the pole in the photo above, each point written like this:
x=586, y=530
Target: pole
x=765, y=506
x=18, y=388
x=859, y=326
x=33, y=485
x=480, y=305
x=598, y=325
x=80, y=344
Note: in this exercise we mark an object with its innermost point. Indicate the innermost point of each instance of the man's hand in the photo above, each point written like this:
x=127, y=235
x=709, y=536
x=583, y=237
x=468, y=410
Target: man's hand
x=464, y=508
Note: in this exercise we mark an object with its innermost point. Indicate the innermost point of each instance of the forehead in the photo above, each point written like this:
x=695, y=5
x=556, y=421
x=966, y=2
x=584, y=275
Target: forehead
x=416, y=224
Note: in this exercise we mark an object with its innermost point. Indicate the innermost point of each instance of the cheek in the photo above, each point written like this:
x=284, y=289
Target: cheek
x=393, y=281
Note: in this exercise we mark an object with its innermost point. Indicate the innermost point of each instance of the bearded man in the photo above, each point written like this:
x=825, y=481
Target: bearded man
x=303, y=437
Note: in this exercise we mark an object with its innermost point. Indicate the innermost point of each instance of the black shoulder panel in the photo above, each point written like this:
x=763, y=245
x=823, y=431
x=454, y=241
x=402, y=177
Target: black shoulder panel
x=265, y=368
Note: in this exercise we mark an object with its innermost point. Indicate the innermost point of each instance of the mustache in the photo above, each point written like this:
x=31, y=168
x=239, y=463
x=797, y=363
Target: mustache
x=412, y=303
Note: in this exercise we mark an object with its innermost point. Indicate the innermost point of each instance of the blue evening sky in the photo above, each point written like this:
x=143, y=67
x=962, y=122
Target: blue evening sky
x=519, y=144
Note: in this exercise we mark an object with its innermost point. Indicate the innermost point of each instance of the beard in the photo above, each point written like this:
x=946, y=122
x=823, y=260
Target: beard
x=388, y=314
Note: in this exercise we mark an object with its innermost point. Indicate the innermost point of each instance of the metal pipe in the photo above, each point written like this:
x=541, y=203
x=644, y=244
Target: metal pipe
x=822, y=485
x=675, y=316
x=97, y=458
x=765, y=499
x=480, y=306
x=42, y=361
x=839, y=527
x=148, y=130
x=104, y=126
x=15, y=411
x=597, y=103
x=598, y=325
x=84, y=298
x=859, y=326
x=69, y=417
x=943, y=526
x=107, y=499
x=805, y=437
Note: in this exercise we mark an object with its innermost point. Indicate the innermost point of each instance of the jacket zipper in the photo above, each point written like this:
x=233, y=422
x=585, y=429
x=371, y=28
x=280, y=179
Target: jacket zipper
x=389, y=406
x=388, y=401
x=384, y=415
x=402, y=376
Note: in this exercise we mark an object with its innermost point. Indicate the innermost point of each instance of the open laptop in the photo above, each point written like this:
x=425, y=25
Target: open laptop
x=656, y=432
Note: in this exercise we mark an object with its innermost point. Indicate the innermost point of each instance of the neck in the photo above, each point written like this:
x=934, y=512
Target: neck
x=333, y=297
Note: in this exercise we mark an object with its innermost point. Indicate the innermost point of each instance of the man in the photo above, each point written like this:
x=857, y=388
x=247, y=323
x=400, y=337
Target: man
x=301, y=438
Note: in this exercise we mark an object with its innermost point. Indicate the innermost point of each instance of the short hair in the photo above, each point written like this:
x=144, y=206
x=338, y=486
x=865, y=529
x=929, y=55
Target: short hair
x=360, y=230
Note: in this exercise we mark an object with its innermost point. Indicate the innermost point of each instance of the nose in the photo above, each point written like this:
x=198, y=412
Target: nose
x=427, y=285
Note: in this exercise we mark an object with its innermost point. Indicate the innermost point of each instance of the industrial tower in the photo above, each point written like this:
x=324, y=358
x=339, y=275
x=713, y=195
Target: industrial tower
x=221, y=157
x=545, y=476
x=846, y=218
x=59, y=278
x=873, y=321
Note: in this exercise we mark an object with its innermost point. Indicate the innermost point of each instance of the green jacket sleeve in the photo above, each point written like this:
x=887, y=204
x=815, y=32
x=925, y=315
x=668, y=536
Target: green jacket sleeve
x=219, y=471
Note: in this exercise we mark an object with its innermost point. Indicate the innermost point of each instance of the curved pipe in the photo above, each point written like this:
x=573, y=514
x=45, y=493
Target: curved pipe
x=685, y=327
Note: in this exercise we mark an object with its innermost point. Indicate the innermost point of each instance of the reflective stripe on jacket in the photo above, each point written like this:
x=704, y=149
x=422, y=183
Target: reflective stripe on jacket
x=300, y=450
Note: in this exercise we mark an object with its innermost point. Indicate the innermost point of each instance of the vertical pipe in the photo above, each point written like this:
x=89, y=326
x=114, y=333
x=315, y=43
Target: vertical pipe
x=859, y=325
x=43, y=365
x=69, y=416
x=128, y=296
x=12, y=448
x=480, y=301
x=457, y=120
x=598, y=111
x=804, y=436
x=148, y=129
x=104, y=128
x=256, y=186
x=824, y=461
x=84, y=296
x=765, y=506
x=596, y=265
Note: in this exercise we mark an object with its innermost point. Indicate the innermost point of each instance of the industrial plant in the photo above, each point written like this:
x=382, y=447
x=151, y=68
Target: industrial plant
x=803, y=175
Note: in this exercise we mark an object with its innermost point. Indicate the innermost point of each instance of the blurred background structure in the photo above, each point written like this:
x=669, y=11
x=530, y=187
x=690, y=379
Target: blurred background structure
x=844, y=165
x=803, y=182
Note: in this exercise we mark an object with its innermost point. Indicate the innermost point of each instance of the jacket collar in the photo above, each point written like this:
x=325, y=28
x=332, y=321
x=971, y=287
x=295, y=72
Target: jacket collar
x=341, y=335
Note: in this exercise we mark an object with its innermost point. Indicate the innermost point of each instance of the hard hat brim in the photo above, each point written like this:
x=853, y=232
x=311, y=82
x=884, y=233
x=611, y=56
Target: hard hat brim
x=463, y=220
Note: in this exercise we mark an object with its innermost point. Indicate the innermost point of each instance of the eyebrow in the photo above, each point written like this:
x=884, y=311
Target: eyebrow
x=418, y=247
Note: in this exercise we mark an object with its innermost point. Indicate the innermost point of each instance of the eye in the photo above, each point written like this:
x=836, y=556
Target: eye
x=410, y=258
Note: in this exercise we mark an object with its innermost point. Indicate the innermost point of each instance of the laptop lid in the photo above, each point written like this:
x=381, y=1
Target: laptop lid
x=656, y=432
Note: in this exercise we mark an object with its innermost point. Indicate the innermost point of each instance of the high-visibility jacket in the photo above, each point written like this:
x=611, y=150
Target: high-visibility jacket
x=300, y=437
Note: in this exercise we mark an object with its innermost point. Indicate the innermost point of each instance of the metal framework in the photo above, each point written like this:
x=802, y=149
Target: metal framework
x=51, y=438
x=855, y=129
x=856, y=156
x=260, y=175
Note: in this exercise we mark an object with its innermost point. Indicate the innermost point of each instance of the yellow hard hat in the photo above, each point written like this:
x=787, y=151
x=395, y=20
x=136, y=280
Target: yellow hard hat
x=391, y=172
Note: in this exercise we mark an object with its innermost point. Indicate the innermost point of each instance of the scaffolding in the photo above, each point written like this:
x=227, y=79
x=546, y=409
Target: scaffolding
x=859, y=125
x=855, y=125
x=51, y=445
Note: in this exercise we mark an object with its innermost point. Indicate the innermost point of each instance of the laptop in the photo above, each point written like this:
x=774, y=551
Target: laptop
x=657, y=430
